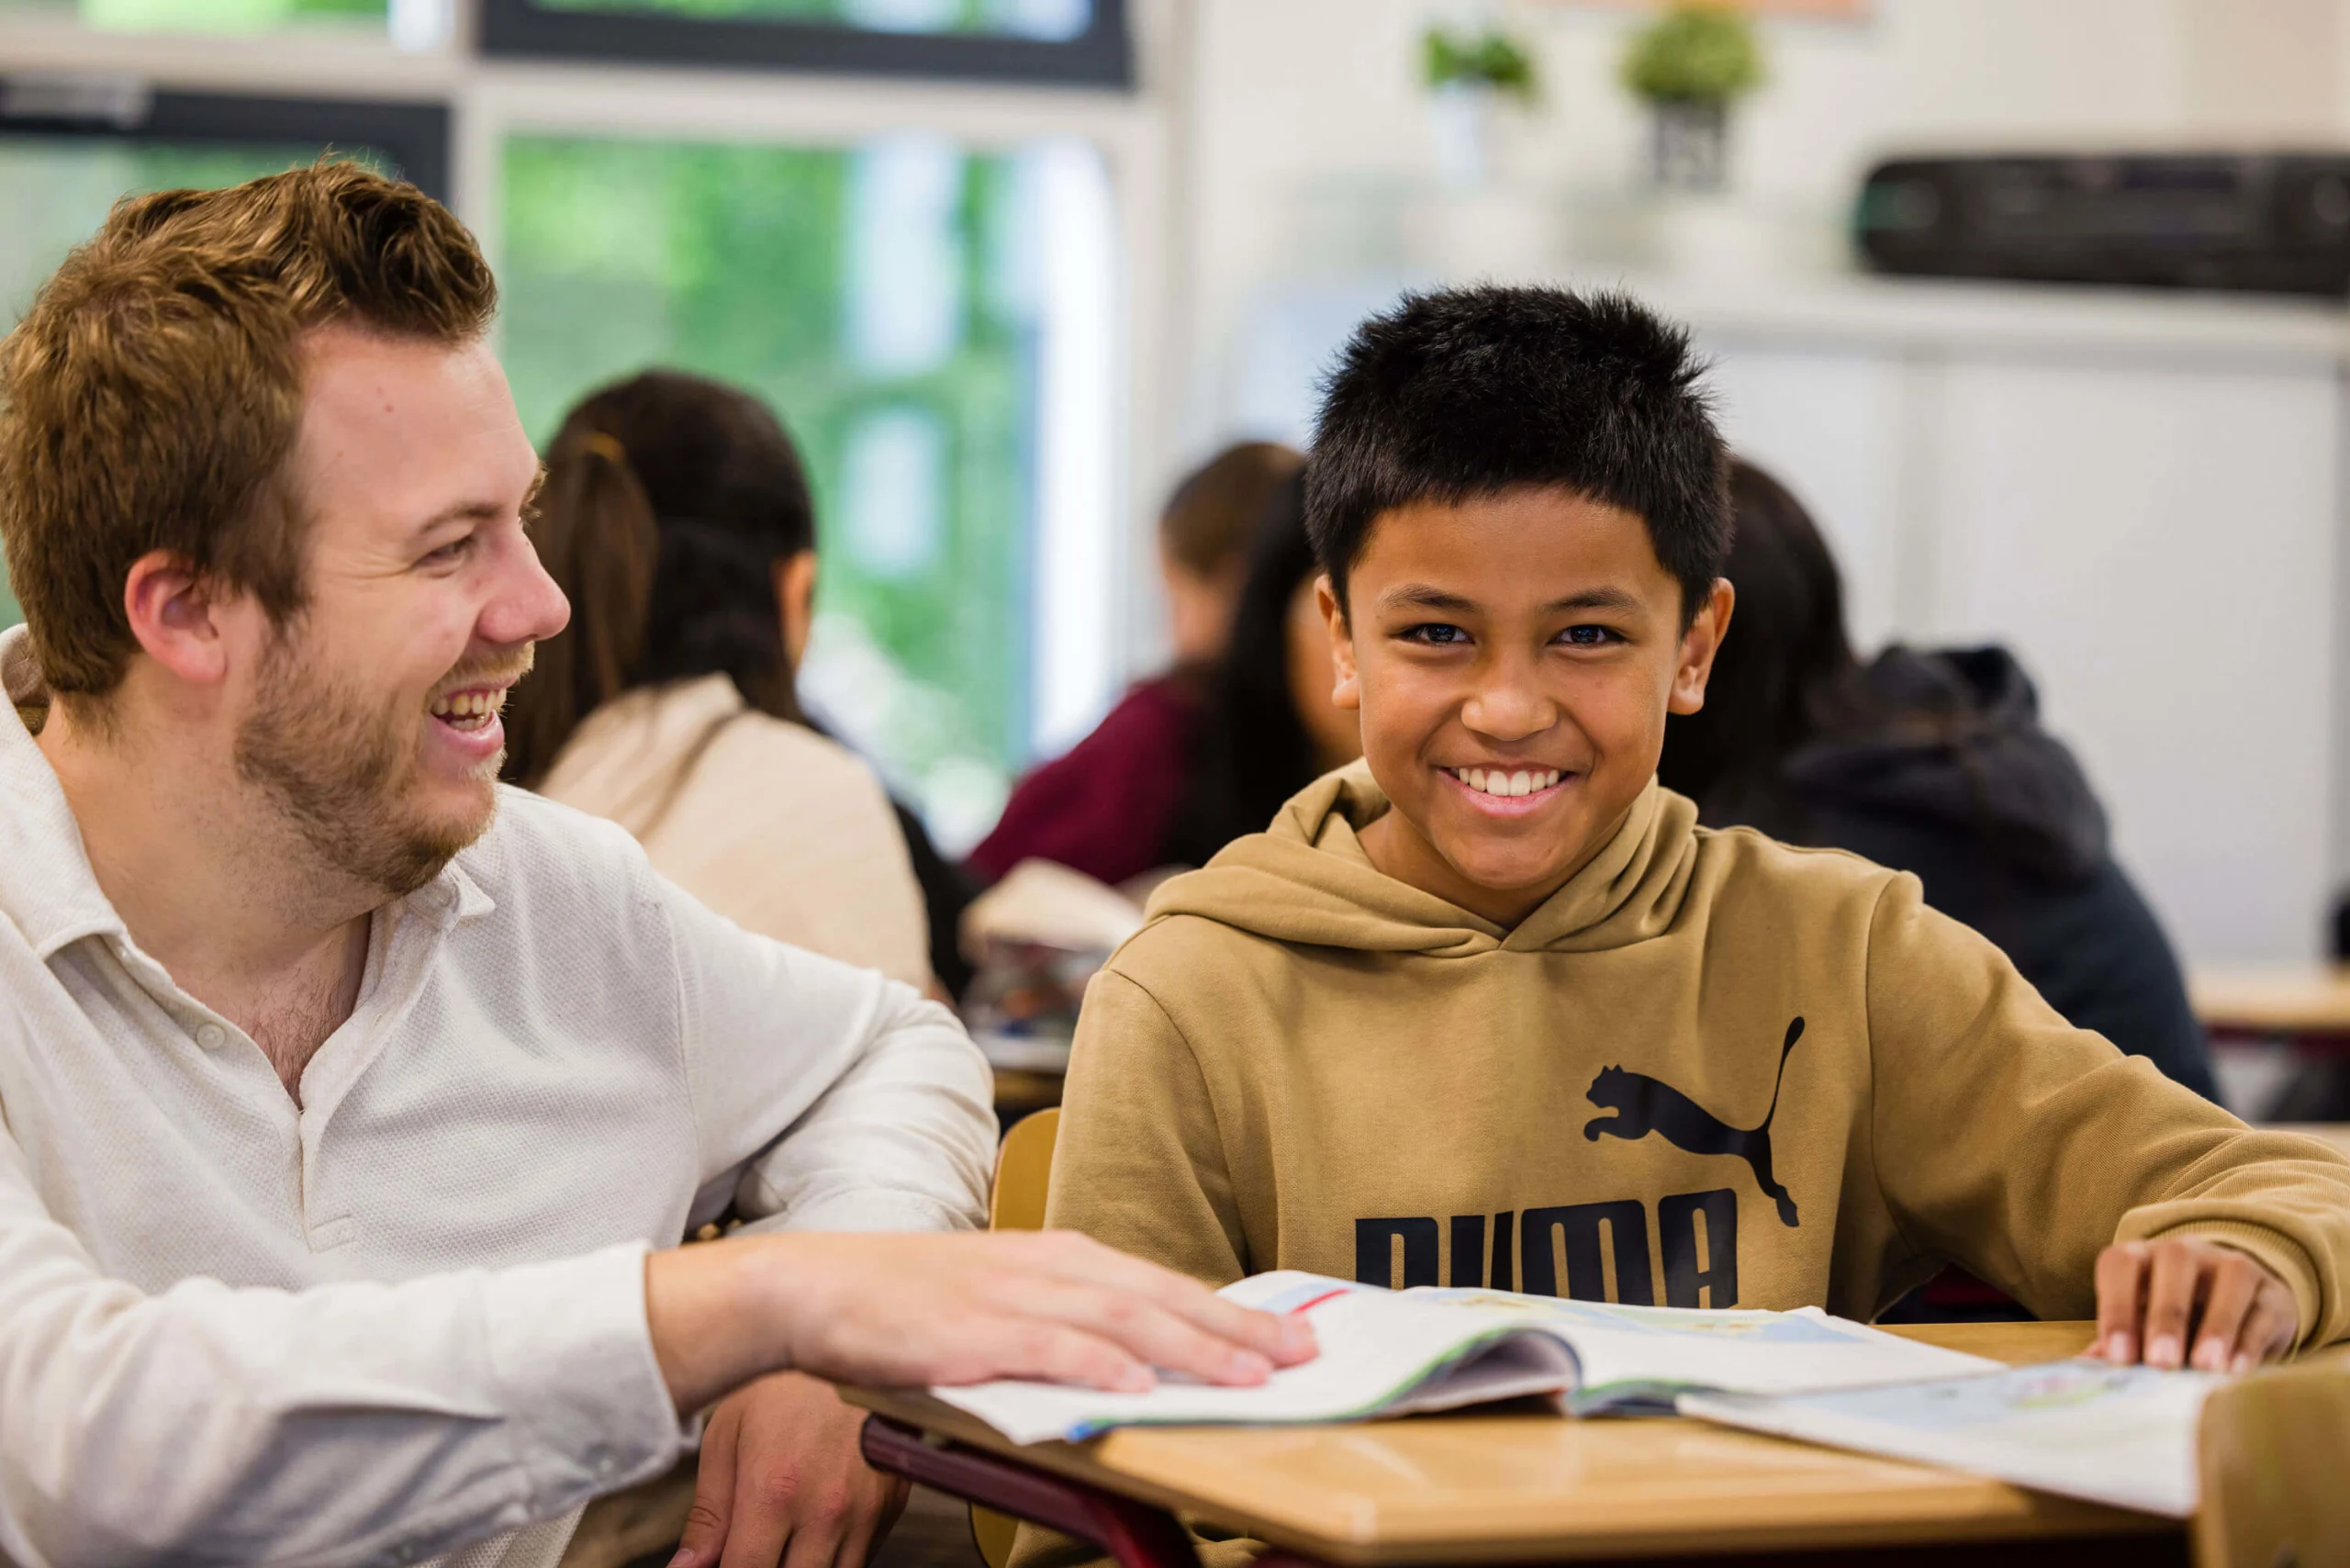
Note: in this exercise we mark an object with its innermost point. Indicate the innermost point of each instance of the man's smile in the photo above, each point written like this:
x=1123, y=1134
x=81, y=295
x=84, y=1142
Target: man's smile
x=470, y=710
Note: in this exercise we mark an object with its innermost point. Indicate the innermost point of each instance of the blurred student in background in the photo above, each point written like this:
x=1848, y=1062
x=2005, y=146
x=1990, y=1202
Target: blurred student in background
x=1931, y=762
x=1108, y=806
x=1271, y=726
x=676, y=519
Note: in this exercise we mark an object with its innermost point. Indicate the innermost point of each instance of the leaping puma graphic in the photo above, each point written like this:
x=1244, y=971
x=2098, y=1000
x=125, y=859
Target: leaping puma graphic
x=1643, y=1106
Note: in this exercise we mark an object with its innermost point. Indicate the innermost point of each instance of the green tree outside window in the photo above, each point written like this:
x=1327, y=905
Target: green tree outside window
x=910, y=393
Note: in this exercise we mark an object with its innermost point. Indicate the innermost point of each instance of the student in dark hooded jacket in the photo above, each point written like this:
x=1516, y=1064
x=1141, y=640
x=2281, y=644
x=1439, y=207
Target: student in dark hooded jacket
x=1929, y=762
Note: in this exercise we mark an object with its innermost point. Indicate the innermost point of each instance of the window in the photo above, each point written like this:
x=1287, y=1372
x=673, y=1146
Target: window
x=929, y=287
x=66, y=155
x=410, y=24
x=1080, y=43
x=895, y=300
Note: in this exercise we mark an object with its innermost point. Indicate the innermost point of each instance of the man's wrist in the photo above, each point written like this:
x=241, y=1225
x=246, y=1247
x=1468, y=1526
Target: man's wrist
x=712, y=1325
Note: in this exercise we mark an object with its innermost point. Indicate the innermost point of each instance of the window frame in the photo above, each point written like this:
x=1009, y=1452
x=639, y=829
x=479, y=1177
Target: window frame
x=486, y=98
x=413, y=133
x=1101, y=56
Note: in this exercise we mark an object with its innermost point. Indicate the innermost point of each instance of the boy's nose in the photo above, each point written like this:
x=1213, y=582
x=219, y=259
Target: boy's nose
x=1509, y=711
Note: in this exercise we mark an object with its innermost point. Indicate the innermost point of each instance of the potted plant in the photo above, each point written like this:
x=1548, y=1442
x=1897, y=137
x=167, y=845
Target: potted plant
x=1468, y=76
x=1690, y=65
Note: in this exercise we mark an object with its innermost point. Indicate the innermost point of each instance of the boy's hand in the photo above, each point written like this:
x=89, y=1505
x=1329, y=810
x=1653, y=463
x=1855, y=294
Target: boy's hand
x=2156, y=1299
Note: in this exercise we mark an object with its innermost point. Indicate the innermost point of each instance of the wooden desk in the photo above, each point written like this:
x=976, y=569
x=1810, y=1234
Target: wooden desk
x=2307, y=1003
x=1523, y=1487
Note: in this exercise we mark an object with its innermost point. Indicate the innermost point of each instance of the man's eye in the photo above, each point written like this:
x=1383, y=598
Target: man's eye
x=449, y=554
x=1591, y=636
x=1436, y=634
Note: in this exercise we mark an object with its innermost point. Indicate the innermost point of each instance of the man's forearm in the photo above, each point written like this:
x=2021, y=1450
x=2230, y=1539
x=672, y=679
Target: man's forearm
x=908, y=1310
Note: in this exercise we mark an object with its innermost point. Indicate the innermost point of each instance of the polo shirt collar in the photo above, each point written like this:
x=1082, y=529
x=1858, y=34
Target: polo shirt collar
x=47, y=888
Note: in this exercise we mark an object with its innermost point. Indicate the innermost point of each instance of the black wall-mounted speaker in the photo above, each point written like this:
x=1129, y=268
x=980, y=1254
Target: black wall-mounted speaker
x=2276, y=223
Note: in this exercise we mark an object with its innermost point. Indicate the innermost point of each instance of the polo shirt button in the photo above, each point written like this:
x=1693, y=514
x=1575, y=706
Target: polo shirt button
x=211, y=1036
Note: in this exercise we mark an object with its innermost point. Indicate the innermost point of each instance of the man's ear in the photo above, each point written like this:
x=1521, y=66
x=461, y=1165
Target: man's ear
x=174, y=614
x=1699, y=646
x=795, y=593
x=1346, y=691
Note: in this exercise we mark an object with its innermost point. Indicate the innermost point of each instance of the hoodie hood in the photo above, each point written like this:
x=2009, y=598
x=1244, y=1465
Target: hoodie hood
x=1306, y=879
x=1960, y=747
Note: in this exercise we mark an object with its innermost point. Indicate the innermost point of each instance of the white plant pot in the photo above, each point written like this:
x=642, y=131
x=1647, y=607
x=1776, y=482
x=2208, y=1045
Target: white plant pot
x=1465, y=121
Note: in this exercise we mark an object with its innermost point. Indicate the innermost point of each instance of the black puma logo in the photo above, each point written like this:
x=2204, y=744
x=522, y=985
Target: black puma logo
x=1645, y=1106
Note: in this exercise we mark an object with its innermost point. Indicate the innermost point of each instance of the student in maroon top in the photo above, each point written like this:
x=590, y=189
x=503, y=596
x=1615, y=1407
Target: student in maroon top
x=1108, y=806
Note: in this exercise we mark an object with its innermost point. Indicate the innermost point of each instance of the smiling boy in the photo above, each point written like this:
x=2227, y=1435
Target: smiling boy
x=1490, y=1009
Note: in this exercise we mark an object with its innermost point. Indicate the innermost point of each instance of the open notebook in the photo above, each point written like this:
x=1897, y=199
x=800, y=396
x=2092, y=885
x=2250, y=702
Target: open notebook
x=2120, y=1435
x=1393, y=1352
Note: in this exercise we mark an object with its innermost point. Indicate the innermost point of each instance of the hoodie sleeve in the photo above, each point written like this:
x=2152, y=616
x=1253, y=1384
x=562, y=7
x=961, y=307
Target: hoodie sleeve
x=2014, y=1144
x=1138, y=1162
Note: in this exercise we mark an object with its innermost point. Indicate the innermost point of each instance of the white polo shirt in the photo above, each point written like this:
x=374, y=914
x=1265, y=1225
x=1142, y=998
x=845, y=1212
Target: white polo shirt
x=407, y=1314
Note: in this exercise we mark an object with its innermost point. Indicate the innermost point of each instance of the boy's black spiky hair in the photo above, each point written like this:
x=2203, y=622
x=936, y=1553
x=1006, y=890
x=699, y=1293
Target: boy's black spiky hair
x=1472, y=392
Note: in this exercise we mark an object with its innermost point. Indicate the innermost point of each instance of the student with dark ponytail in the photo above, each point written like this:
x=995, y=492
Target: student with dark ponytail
x=677, y=519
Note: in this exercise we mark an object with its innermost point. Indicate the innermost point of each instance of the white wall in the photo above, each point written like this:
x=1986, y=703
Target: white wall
x=1298, y=119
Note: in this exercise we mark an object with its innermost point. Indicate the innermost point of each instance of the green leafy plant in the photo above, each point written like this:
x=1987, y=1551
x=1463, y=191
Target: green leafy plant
x=1493, y=59
x=1695, y=53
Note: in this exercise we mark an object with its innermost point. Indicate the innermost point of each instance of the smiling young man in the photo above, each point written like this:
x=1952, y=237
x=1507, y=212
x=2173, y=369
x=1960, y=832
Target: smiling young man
x=351, y=1107
x=1490, y=1010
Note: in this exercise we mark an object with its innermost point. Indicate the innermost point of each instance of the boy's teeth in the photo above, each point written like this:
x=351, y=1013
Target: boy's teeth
x=1497, y=782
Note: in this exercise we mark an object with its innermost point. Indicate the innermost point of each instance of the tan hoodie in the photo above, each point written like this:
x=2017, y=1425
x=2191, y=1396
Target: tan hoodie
x=1712, y=1069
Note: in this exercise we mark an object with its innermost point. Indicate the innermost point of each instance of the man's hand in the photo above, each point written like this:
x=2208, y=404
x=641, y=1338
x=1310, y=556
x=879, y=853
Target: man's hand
x=780, y=1473
x=906, y=1310
x=2156, y=1299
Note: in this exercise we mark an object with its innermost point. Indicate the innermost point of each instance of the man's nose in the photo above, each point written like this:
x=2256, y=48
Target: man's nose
x=525, y=604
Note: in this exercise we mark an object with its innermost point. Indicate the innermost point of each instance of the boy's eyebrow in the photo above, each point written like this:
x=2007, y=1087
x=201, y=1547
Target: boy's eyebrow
x=1594, y=598
x=1424, y=596
x=1421, y=595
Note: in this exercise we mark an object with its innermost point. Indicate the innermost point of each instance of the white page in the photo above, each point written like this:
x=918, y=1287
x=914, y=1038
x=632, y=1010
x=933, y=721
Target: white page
x=1375, y=1345
x=2119, y=1435
x=1643, y=1354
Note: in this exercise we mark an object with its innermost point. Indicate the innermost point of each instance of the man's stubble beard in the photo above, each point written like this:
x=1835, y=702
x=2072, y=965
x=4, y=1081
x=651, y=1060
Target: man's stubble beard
x=342, y=772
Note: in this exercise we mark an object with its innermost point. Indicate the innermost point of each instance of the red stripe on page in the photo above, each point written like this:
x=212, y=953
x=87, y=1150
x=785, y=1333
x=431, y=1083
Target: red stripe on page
x=1317, y=1301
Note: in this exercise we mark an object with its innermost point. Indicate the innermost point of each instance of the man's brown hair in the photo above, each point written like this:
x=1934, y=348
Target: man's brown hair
x=151, y=397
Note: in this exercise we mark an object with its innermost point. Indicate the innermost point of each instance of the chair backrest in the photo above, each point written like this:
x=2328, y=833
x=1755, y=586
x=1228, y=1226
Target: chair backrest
x=1024, y=1168
x=2271, y=1452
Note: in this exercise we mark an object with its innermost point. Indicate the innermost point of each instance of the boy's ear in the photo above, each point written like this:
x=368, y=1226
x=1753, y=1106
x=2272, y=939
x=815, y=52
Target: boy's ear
x=1699, y=646
x=1347, y=690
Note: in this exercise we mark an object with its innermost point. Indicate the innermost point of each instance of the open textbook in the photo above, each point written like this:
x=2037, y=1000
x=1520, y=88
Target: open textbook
x=1393, y=1352
x=2121, y=1435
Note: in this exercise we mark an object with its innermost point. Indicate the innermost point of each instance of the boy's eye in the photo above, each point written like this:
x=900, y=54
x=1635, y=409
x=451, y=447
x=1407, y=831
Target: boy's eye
x=1436, y=634
x=1591, y=636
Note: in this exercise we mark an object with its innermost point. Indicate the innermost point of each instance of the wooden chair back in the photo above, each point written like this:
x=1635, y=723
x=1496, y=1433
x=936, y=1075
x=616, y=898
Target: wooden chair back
x=2271, y=1450
x=1024, y=1169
